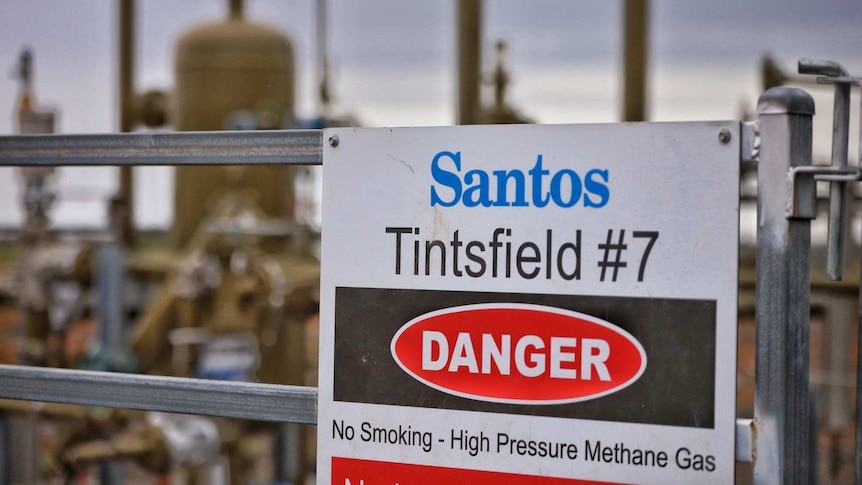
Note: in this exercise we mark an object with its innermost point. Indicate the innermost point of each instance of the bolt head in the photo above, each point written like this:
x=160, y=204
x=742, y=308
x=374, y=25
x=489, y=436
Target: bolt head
x=333, y=141
x=724, y=135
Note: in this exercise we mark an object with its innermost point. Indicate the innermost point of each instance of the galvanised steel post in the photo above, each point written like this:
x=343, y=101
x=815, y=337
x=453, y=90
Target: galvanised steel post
x=110, y=274
x=110, y=270
x=782, y=407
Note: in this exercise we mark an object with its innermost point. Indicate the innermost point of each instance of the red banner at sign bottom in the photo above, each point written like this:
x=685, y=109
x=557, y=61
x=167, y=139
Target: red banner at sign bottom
x=348, y=471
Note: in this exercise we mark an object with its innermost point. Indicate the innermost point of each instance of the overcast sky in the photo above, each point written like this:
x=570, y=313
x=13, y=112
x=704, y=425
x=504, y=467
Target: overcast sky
x=393, y=60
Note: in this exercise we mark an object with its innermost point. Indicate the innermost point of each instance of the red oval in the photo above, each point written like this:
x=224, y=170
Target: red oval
x=554, y=356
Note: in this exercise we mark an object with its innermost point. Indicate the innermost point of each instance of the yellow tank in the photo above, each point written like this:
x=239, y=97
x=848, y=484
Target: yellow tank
x=223, y=69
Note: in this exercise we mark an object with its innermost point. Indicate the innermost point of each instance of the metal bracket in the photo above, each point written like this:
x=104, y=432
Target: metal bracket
x=746, y=441
x=834, y=73
x=749, y=146
x=853, y=81
x=801, y=187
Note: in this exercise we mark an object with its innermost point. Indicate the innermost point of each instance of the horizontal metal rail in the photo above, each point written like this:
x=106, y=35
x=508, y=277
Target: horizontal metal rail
x=260, y=402
x=282, y=147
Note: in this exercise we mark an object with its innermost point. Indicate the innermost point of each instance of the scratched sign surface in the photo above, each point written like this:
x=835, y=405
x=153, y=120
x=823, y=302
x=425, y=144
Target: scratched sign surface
x=532, y=304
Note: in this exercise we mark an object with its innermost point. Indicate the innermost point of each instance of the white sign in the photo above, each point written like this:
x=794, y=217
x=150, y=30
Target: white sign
x=529, y=304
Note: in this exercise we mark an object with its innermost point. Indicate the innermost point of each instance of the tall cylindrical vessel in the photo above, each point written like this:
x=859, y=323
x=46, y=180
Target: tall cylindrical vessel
x=225, y=69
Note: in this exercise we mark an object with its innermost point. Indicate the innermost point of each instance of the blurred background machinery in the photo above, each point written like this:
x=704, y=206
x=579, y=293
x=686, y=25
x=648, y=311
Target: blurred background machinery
x=230, y=292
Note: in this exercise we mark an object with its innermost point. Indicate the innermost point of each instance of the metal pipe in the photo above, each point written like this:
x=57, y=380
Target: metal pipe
x=841, y=310
x=126, y=192
x=236, y=9
x=126, y=41
x=285, y=147
x=782, y=407
x=5, y=449
x=821, y=67
x=469, y=60
x=858, y=454
x=322, y=33
x=812, y=438
x=111, y=278
x=837, y=190
x=112, y=472
x=636, y=40
x=288, y=453
x=244, y=400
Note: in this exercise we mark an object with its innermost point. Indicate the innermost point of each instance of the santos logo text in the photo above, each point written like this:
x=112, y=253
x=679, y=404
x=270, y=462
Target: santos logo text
x=514, y=188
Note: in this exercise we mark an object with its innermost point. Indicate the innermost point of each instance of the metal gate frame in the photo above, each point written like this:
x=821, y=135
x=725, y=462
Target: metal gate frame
x=263, y=402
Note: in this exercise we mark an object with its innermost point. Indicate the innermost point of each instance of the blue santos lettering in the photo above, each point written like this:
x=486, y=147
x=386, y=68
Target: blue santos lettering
x=478, y=193
x=446, y=178
x=597, y=188
x=509, y=188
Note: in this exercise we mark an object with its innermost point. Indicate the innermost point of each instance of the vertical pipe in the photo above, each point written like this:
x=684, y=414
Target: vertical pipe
x=5, y=449
x=110, y=273
x=288, y=453
x=841, y=311
x=781, y=401
x=812, y=438
x=858, y=454
x=635, y=59
x=25, y=437
x=322, y=63
x=236, y=9
x=296, y=365
x=126, y=62
x=469, y=59
x=127, y=116
x=111, y=473
x=838, y=190
x=110, y=276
